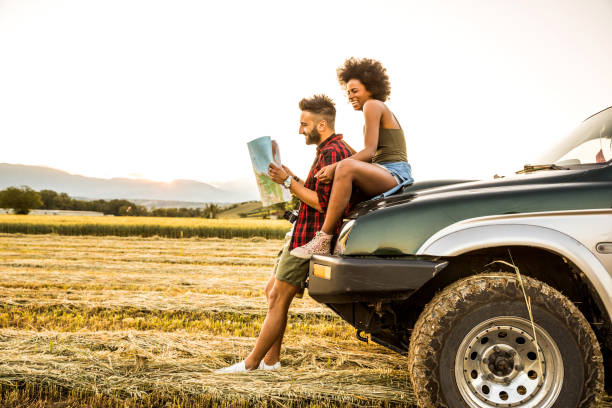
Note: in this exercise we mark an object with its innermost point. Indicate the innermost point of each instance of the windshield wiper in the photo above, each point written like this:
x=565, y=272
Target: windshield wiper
x=530, y=168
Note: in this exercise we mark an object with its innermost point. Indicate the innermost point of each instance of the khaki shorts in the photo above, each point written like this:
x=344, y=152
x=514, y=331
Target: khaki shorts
x=291, y=269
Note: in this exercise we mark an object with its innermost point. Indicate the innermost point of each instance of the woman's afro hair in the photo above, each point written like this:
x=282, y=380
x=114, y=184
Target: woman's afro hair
x=369, y=72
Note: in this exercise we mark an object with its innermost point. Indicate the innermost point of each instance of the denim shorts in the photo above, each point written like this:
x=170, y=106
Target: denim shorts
x=402, y=173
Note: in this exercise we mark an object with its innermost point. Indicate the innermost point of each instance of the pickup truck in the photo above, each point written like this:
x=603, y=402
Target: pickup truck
x=498, y=293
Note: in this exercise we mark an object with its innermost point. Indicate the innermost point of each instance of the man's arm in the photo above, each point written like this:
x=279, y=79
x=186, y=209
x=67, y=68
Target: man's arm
x=295, y=178
x=307, y=196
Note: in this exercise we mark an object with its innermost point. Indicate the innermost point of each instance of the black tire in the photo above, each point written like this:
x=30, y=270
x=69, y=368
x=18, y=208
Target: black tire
x=455, y=327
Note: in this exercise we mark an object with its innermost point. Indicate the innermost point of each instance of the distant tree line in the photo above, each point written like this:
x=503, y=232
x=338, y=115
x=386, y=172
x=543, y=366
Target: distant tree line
x=209, y=211
x=23, y=199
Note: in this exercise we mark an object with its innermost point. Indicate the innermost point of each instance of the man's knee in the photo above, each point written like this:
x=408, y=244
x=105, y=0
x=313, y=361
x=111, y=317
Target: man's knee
x=269, y=287
x=281, y=294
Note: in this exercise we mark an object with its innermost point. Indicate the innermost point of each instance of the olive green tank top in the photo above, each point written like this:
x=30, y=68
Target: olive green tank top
x=391, y=146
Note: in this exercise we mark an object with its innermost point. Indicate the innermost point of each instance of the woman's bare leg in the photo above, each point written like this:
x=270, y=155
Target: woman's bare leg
x=371, y=179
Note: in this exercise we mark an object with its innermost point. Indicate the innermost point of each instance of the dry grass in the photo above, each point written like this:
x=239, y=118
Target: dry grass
x=133, y=322
x=143, y=322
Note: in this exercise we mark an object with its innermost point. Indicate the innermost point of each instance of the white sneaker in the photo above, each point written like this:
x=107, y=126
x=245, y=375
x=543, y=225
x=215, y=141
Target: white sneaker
x=234, y=368
x=265, y=367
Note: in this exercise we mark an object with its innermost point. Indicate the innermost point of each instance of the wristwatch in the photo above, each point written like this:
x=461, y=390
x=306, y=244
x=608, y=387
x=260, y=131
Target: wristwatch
x=287, y=182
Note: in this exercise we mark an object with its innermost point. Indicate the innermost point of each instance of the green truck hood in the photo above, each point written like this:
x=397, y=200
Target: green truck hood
x=400, y=224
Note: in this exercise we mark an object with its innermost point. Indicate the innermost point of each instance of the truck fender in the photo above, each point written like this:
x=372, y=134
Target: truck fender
x=471, y=238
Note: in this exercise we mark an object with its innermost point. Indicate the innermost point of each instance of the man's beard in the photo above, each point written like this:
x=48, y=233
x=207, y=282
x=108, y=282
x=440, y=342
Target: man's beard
x=313, y=137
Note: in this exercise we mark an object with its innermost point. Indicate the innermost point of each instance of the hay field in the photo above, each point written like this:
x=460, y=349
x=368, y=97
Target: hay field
x=143, y=226
x=142, y=322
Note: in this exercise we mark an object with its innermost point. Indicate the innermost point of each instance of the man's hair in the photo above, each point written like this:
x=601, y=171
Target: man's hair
x=369, y=72
x=320, y=105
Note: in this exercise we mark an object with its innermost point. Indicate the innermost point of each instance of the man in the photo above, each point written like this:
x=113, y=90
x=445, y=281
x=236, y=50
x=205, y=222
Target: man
x=317, y=125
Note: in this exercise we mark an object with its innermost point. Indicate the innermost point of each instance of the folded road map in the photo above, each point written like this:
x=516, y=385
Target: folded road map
x=264, y=151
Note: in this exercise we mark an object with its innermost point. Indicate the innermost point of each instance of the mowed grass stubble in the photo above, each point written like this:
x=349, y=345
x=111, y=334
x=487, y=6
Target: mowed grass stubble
x=143, y=322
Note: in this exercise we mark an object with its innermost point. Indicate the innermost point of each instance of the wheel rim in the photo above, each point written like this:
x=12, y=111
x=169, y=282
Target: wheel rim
x=497, y=365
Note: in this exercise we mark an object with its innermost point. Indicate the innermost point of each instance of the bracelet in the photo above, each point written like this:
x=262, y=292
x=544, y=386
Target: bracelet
x=296, y=178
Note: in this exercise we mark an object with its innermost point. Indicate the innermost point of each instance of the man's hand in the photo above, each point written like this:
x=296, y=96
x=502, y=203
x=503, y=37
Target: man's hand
x=277, y=174
x=326, y=174
x=289, y=172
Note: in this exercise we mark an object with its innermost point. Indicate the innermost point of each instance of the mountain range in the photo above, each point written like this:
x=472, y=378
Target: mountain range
x=41, y=178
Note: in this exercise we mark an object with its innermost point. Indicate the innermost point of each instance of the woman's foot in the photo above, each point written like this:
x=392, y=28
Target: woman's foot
x=319, y=245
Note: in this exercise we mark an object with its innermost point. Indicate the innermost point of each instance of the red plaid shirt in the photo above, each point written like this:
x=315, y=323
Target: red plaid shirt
x=309, y=221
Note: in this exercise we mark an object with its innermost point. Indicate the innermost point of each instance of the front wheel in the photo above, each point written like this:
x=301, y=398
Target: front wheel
x=474, y=345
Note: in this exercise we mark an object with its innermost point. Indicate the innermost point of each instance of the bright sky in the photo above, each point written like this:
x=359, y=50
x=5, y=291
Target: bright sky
x=174, y=89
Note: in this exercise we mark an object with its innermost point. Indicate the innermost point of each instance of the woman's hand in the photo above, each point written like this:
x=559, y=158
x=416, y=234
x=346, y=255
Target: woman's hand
x=326, y=174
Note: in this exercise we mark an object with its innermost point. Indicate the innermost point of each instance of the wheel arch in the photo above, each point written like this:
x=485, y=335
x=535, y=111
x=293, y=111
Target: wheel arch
x=543, y=253
x=459, y=244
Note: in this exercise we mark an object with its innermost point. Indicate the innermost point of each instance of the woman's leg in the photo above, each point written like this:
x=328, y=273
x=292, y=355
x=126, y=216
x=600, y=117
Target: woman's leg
x=370, y=179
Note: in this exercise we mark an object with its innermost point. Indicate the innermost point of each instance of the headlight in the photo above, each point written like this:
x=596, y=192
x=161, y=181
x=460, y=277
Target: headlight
x=343, y=237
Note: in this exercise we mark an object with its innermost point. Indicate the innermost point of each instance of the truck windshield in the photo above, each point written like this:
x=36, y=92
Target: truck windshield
x=591, y=142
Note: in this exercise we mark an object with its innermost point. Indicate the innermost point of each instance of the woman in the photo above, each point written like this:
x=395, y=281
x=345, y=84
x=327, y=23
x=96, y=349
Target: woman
x=381, y=167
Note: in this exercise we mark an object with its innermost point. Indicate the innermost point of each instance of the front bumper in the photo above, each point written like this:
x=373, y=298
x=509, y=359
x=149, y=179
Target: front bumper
x=334, y=279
